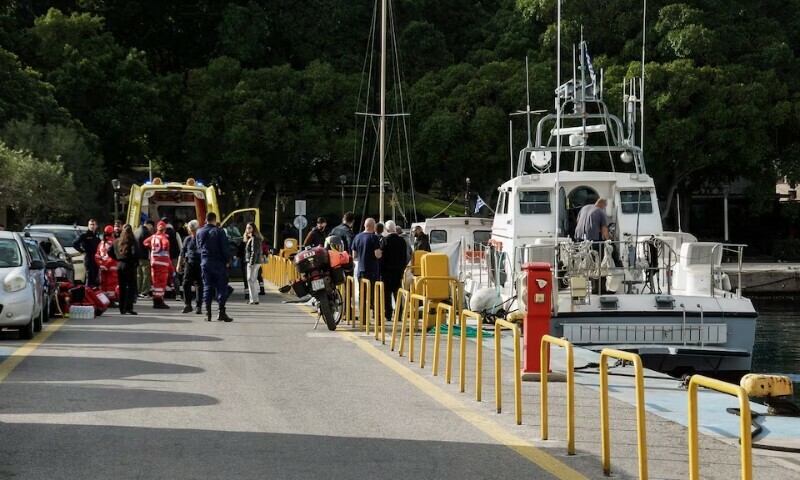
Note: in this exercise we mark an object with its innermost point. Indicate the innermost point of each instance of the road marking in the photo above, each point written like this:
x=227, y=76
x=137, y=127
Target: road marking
x=19, y=354
x=539, y=457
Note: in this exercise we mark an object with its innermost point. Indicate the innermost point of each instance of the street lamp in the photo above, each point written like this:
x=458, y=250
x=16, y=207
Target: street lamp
x=342, y=180
x=466, y=200
x=275, y=245
x=115, y=187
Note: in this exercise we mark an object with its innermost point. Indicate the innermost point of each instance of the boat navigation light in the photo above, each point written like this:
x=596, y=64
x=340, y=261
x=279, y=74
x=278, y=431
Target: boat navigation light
x=626, y=157
x=541, y=160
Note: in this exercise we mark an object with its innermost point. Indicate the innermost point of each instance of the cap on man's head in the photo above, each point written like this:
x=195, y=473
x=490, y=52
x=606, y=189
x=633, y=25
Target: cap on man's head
x=109, y=229
x=161, y=225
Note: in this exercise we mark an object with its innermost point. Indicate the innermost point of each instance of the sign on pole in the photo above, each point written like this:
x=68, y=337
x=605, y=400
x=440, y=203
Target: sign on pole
x=299, y=207
x=300, y=223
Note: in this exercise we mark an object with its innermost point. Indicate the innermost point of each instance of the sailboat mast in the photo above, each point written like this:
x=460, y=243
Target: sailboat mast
x=383, y=109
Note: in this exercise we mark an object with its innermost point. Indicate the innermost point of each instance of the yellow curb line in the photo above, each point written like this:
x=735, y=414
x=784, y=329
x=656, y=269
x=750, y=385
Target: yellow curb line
x=19, y=354
x=526, y=449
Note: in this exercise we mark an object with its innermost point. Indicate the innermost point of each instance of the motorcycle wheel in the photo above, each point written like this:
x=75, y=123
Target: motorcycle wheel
x=338, y=306
x=326, y=310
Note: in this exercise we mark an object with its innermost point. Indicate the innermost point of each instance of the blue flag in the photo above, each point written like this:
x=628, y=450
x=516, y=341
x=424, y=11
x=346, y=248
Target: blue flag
x=479, y=204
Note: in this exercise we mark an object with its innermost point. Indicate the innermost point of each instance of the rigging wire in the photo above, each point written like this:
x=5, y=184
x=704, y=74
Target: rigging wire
x=368, y=61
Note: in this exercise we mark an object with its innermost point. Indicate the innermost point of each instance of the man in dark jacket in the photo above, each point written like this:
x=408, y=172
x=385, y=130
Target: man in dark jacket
x=215, y=256
x=189, y=265
x=87, y=244
x=316, y=237
x=421, y=241
x=143, y=269
x=393, y=263
x=345, y=231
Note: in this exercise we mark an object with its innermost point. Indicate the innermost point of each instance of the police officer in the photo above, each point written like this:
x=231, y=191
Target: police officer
x=215, y=256
x=87, y=244
x=189, y=265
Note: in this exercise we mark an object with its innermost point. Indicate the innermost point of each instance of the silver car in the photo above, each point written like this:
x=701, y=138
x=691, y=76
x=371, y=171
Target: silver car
x=66, y=235
x=22, y=294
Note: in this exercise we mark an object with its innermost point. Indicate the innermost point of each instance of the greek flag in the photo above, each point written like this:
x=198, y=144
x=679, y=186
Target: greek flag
x=479, y=204
x=589, y=64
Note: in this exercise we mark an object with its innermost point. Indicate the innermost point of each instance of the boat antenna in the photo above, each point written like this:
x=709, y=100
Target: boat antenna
x=679, y=211
x=558, y=144
x=511, y=144
x=528, y=95
x=641, y=90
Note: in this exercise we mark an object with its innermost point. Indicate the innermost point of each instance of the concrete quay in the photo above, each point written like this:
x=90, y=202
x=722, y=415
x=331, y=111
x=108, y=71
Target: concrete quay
x=766, y=279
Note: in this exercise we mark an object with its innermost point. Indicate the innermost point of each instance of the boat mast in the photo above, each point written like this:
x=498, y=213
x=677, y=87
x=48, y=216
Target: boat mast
x=556, y=193
x=383, y=110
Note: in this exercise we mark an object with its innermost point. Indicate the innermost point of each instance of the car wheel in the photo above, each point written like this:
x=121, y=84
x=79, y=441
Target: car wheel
x=26, y=332
x=38, y=322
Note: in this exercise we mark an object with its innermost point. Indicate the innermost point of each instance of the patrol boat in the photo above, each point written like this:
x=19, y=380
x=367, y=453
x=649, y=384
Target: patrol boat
x=661, y=294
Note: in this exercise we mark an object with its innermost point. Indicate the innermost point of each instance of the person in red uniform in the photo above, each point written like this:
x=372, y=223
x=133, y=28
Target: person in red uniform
x=160, y=263
x=108, y=266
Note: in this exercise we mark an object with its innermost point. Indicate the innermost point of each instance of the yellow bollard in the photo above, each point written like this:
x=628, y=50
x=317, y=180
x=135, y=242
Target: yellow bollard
x=349, y=282
x=364, y=303
x=413, y=315
x=380, y=310
x=498, y=373
x=745, y=438
x=441, y=309
x=570, y=390
x=401, y=293
x=605, y=448
x=478, y=353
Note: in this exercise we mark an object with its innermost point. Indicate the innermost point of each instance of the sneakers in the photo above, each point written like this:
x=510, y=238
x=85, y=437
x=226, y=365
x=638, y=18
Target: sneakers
x=187, y=309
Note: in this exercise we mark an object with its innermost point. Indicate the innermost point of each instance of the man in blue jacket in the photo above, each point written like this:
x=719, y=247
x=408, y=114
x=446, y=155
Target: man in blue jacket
x=215, y=257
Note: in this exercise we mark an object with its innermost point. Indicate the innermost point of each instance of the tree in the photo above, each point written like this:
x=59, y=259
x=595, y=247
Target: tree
x=35, y=189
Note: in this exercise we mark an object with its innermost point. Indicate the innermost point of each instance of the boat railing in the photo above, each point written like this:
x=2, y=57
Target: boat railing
x=735, y=249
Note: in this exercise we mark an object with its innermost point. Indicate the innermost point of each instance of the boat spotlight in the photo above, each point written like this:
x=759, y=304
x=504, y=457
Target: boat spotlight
x=576, y=140
x=541, y=160
x=626, y=157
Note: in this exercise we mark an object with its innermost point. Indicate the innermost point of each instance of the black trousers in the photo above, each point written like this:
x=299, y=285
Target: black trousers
x=192, y=275
x=126, y=279
x=92, y=272
x=392, y=281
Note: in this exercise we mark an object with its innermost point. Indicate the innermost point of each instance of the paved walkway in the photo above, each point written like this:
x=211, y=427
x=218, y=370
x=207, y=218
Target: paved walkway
x=167, y=395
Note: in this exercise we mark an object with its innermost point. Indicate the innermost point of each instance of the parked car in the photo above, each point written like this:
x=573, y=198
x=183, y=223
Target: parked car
x=55, y=270
x=66, y=235
x=22, y=296
x=65, y=272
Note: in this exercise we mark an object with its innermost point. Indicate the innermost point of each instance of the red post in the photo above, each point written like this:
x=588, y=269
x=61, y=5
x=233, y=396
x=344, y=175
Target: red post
x=537, y=317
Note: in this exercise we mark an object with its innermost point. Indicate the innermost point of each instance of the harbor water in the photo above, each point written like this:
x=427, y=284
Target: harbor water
x=777, y=348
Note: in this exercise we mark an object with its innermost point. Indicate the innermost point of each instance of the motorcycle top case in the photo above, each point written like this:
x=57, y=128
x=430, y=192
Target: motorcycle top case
x=311, y=259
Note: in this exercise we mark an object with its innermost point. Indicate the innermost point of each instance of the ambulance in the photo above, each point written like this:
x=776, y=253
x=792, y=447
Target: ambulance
x=184, y=202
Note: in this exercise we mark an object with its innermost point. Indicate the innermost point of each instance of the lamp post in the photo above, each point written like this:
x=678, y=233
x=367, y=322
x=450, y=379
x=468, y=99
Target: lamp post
x=115, y=187
x=275, y=245
x=466, y=200
x=342, y=180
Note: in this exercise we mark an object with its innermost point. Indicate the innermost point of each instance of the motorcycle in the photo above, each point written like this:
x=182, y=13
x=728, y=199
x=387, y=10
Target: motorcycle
x=321, y=272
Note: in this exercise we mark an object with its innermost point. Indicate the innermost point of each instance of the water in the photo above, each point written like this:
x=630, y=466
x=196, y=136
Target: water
x=777, y=348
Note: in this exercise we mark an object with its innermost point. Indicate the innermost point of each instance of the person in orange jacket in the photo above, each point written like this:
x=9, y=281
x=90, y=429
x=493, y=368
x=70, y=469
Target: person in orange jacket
x=160, y=263
x=108, y=266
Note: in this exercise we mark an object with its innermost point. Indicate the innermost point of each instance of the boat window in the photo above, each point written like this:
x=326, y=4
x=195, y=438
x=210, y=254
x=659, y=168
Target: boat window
x=633, y=201
x=534, y=202
x=481, y=238
x=502, y=206
x=438, y=236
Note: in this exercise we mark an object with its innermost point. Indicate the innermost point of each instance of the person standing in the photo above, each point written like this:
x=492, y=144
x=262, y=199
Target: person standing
x=143, y=267
x=393, y=264
x=87, y=244
x=421, y=241
x=367, y=251
x=253, y=256
x=160, y=264
x=345, y=231
x=108, y=266
x=593, y=222
x=215, y=256
x=189, y=265
x=316, y=237
x=175, y=244
x=125, y=250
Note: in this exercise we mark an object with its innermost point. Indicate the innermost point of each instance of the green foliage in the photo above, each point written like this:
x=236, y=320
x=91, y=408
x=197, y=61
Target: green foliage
x=35, y=189
x=787, y=250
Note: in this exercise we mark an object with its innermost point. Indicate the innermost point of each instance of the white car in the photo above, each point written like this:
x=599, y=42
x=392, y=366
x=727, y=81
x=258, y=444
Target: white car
x=22, y=296
x=66, y=235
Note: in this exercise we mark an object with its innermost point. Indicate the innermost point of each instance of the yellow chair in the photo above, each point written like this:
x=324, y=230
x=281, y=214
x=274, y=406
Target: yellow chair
x=290, y=246
x=435, y=284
